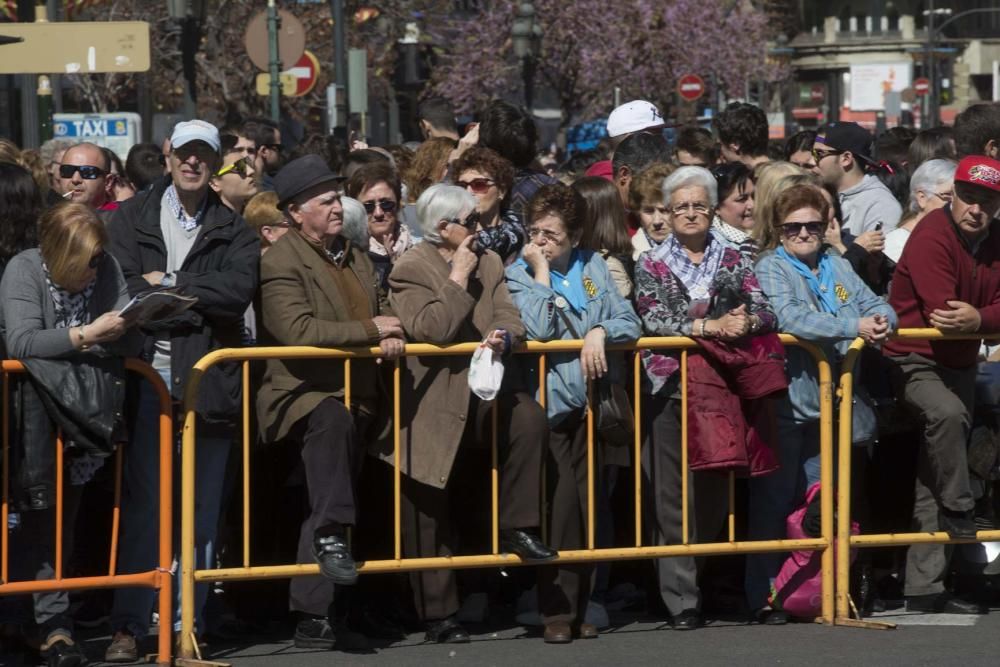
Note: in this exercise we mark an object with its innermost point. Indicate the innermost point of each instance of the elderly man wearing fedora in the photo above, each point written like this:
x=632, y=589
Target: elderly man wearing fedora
x=319, y=289
x=947, y=278
x=178, y=233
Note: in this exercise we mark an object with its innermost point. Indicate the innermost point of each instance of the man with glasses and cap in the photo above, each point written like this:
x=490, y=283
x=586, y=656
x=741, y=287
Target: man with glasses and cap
x=947, y=278
x=178, y=233
x=82, y=177
x=320, y=289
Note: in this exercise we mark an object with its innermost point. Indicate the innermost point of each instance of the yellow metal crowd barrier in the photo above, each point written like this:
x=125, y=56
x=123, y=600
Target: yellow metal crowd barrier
x=845, y=540
x=190, y=575
x=159, y=578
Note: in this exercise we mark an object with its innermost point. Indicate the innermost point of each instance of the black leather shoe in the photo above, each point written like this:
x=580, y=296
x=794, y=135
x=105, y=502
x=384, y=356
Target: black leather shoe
x=335, y=560
x=958, y=525
x=689, y=619
x=61, y=651
x=530, y=548
x=318, y=633
x=447, y=631
x=769, y=616
x=943, y=603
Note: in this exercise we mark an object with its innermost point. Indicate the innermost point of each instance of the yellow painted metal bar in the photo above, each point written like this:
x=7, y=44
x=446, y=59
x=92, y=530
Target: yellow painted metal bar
x=186, y=647
x=347, y=384
x=846, y=394
x=637, y=463
x=897, y=539
x=397, y=486
x=494, y=481
x=545, y=455
x=732, y=506
x=246, y=463
x=684, y=447
x=590, y=467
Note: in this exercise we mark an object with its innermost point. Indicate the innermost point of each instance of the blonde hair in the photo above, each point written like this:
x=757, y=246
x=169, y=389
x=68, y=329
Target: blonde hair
x=9, y=152
x=69, y=235
x=31, y=160
x=262, y=211
x=768, y=183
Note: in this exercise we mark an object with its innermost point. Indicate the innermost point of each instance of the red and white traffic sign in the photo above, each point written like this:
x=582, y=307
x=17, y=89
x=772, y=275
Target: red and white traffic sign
x=922, y=86
x=305, y=71
x=690, y=87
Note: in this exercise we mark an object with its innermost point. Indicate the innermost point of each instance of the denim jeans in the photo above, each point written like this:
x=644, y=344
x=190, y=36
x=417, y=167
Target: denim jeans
x=773, y=497
x=139, y=546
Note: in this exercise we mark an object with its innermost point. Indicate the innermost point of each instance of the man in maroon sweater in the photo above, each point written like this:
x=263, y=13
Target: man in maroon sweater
x=947, y=278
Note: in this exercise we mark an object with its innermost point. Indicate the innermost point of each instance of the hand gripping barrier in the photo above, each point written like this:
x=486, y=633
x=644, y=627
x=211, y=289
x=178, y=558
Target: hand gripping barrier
x=845, y=541
x=189, y=575
x=159, y=578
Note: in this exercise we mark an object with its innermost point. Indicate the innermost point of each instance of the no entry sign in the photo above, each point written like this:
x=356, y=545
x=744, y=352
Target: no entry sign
x=690, y=87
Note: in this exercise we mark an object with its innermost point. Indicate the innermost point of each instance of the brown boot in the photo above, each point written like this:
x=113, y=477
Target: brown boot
x=123, y=648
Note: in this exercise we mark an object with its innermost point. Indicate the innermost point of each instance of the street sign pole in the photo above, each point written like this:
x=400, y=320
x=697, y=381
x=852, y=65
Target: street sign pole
x=44, y=109
x=274, y=61
x=340, y=74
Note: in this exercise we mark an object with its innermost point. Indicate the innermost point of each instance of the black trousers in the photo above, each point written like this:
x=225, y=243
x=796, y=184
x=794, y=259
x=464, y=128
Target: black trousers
x=332, y=454
x=428, y=525
x=564, y=590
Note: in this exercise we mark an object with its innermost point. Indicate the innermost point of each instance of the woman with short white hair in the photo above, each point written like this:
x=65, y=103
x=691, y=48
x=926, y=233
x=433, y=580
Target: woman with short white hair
x=355, y=222
x=930, y=189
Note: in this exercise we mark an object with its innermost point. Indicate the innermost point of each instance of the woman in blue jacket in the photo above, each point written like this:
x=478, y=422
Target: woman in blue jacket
x=564, y=292
x=818, y=298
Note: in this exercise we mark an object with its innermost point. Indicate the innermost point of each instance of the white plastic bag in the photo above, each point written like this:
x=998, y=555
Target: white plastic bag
x=485, y=373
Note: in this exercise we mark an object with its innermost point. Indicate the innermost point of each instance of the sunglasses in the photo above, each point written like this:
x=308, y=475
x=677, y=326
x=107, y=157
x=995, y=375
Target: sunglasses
x=470, y=223
x=477, y=186
x=793, y=229
x=240, y=167
x=387, y=205
x=96, y=260
x=819, y=155
x=87, y=172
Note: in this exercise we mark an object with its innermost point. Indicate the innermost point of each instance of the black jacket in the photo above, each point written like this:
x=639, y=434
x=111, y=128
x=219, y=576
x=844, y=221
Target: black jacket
x=222, y=270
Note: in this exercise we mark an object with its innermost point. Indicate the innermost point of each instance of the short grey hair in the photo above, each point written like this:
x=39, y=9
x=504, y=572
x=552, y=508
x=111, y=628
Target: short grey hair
x=928, y=177
x=355, y=222
x=49, y=149
x=684, y=177
x=441, y=202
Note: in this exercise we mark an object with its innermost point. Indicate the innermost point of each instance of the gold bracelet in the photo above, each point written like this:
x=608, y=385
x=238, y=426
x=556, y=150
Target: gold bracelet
x=81, y=337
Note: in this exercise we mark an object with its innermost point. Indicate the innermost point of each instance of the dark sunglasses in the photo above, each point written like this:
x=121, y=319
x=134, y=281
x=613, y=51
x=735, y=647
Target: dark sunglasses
x=87, y=172
x=477, y=186
x=471, y=221
x=240, y=167
x=96, y=260
x=793, y=229
x=819, y=155
x=387, y=205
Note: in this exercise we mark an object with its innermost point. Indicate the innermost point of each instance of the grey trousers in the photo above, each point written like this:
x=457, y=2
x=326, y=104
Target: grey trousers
x=708, y=501
x=943, y=398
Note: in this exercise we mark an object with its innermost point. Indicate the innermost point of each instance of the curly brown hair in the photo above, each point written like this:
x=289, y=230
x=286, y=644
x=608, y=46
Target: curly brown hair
x=646, y=187
x=428, y=163
x=489, y=162
x=371, y=175
x=557, y=199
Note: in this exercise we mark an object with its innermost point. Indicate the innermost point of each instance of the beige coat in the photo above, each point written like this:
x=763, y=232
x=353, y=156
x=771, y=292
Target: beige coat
x=301, y=305
x=435, y=390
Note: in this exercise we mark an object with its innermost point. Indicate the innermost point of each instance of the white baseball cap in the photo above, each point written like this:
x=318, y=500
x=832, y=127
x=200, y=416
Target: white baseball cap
x=632, y=117
x=195, y=130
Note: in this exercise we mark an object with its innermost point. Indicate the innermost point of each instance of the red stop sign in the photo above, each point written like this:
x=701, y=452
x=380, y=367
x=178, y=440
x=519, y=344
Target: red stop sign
x=690, y=87
x=922, y=86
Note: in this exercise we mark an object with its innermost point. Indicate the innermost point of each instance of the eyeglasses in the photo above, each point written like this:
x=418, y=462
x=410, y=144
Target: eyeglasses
x=551, y=237
x=387, y=205
x=240, y=167
x=87, y=172
x=698, y=208
x=819, y=155
x=793, y=229
x=470, y=222
x=943, y=196
x=96, y=260
x=477, y=186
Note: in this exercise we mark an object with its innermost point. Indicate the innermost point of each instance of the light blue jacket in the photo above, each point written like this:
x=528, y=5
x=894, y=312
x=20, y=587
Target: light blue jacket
x=799, y=314
x=567, y=389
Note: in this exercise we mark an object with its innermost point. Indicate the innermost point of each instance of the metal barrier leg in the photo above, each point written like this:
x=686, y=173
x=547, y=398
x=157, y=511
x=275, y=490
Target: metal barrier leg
x=187, y=644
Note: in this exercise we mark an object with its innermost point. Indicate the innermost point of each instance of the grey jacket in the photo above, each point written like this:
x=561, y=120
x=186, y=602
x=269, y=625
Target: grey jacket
x=867, y=204
x=28, y=314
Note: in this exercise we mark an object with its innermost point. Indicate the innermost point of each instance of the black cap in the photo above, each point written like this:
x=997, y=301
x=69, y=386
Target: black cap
x=848, y=137
x=301, y=174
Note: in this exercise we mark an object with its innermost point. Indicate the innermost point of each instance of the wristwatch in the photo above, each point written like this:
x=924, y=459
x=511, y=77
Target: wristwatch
x=168, y=280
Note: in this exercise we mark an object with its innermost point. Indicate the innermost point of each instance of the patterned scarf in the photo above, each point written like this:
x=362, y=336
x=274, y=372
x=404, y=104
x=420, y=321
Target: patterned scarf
x=737, y=236
x=71, y=309
x=402, y=243
x=697, y=278
x=187, y=222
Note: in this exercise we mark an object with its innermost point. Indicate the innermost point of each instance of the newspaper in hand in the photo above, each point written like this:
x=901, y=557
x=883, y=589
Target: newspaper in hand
x=156, y=305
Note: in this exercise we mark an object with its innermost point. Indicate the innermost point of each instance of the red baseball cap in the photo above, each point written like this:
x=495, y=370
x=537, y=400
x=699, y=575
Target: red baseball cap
x=979, y=170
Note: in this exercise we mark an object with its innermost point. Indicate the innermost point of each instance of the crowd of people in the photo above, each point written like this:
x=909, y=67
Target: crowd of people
x=726, y=238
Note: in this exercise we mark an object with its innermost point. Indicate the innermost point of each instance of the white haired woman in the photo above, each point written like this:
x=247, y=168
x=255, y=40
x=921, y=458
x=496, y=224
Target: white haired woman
x=692, y=284
x=444, y=291
x=355, y=222
x=930, y=189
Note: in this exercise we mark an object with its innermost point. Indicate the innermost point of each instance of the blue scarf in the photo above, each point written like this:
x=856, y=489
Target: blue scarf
x=568, y=285
x=822, y=286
